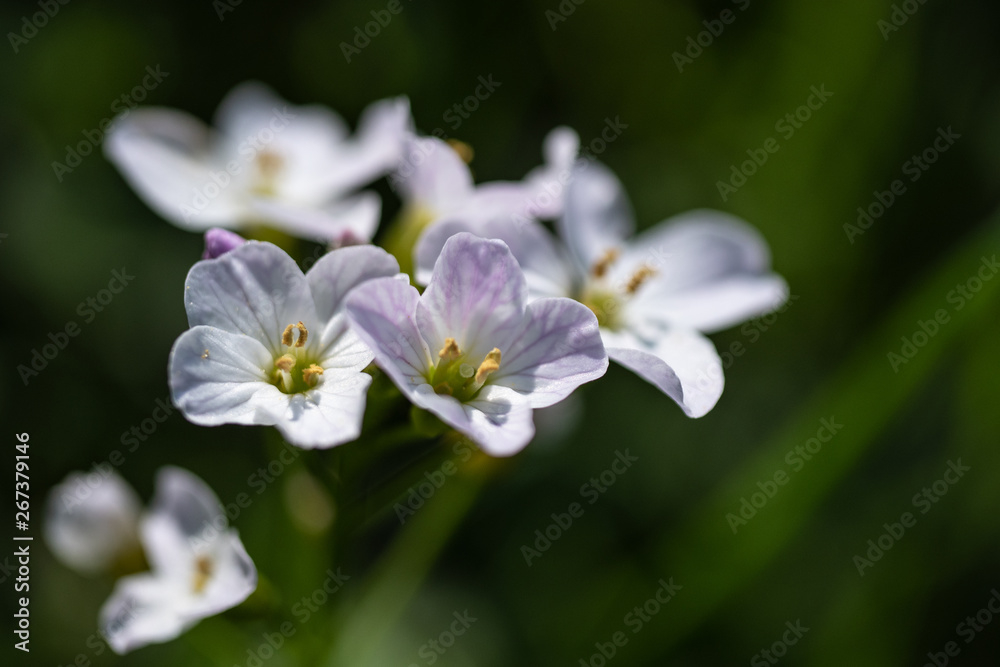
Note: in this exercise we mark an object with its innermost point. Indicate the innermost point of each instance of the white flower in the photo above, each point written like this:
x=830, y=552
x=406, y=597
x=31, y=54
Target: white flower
x=199, y=567
x=269, y=345
x=654, y=295
x=92, y=519
x=436, y=184
x=266, y=163
x=472, y=350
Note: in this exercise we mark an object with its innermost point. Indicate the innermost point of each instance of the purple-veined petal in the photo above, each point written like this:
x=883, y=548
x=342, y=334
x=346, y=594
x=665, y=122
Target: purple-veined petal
x=557, y=348
x=476, y=295
x=683, y=364
x=547, y=269
x=498, y=419
x=381, y=312
x=597, y=217
x=256, y=289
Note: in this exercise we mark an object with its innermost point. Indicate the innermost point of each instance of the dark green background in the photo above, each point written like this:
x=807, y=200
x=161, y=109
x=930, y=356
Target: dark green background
x=823, y=356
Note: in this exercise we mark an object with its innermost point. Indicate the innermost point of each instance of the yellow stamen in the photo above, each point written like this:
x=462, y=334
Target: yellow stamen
x=286, y=336
x=450, y=351
x=490, y=364
x=204, y=355
x=640, y=276
x=202, y=573
x=602, y=265
x=311, y=374
x=285, y=363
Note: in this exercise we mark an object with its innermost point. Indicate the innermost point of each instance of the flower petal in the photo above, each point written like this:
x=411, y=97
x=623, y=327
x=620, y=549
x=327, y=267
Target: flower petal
x=164, y=155
x=557, y=348
x=343, y=222
x=498, y=419
x=682, y=364
x=597, y=216
x=476, y=295
x=219, y=241
x=255, y=289
x=140, y=612
x=546, y=184
x=330, y=414
x=91, y=519
x=217, y=377
x=381, y=312
x=547, y=269
x=712, y=271
x=432, y=176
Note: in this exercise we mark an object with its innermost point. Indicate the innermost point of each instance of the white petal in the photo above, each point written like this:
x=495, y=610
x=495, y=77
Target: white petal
x=336, y=273
x=547, y=269
x=329, y=414
x=557, y=349
x=233, y=579
x=92, y=519
x=547, y=184
x=476, y=295
x=682, y=364
x=432, y=176
x=597, y=216
x=343, y=222
x=217, y=377
x=255, y=289
x=381, y=313
x=498, y=419
x=164, y=155
x=142, y=610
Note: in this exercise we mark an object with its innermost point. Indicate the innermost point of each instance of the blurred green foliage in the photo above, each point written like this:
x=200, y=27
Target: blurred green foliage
x=825, y=355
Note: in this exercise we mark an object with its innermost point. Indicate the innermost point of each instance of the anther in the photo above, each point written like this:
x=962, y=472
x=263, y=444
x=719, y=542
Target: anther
x=490, y=364
x=640, y=276
x=450, y=351
x=202, y=573
x=602, y=265
x=311, y=374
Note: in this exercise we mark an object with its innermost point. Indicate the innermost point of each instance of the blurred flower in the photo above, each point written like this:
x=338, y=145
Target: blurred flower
x=436, y=185
x=92, y=520
x=271, y=346
x=267, y=163
x=199, y=567
x=471, y=350
x=220, y=241
x=654, y=295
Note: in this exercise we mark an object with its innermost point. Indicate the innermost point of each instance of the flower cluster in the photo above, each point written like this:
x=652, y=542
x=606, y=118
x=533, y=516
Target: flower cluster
x=472, y=307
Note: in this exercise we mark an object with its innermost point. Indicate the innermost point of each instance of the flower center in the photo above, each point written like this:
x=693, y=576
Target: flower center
x=606, y=301
x=268, y=165
x=203, y=568
x=455, y=376
x=296, y=371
